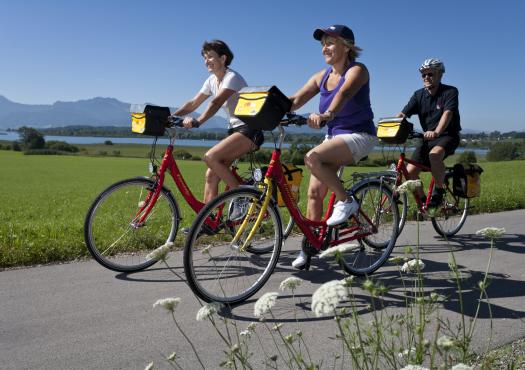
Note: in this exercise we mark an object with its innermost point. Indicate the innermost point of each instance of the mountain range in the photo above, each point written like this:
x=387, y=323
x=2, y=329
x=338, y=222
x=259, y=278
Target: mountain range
x=91, y=112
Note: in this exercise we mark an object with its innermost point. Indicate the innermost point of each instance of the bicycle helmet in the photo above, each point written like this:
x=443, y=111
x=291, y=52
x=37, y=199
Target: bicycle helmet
x=432, y=64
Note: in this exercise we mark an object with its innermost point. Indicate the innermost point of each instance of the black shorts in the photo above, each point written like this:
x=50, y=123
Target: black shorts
x=256, y=136
x=449, y=143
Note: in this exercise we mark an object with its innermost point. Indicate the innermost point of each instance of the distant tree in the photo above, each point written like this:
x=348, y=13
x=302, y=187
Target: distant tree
x=467, y=156
x=108, y=142
x=16, y=146
x=504, y=152
x=31, y=138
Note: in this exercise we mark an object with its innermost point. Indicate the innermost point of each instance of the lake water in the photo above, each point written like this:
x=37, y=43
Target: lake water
x=12, y=136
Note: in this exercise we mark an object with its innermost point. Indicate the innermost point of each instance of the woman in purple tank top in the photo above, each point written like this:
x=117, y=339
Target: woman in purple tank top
x=345, y=107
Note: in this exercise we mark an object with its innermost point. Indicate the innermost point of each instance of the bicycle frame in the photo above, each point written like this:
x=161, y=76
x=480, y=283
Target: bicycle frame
x=401, y=169
x=275, y=174
x=169, y=163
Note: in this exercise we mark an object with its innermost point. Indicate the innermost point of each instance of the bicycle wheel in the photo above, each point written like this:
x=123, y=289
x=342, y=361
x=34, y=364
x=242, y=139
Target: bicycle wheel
x=111, y=231
x=378, y=215
x=287, y=229
x=218, y=269
x=450, y=217
x=402, y=207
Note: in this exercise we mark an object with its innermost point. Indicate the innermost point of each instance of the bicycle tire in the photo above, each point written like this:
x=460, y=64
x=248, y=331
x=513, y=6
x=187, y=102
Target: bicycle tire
x=287, y=230
x=377, y=203
x=218, y=271
x=450, y=217
x=112, y=238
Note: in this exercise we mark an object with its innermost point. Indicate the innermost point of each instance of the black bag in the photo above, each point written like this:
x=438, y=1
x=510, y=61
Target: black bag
x=262, y=108
x=466, y=182
x=152, y=121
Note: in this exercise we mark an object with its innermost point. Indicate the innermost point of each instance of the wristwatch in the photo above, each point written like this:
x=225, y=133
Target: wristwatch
x=330, y=114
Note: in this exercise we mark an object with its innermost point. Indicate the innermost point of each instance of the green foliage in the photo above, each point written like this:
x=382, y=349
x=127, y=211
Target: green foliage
x=51, y=200
x=505, y=152
x=467, y=156
x=31, y=138
x=42, y=152
x=16, y=146
x=181, y=154
x=61, y=146
x=108, y=142
x=295, y=154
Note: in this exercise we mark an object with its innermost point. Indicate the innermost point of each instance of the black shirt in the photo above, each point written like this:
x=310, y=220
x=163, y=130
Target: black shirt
x=430, y=108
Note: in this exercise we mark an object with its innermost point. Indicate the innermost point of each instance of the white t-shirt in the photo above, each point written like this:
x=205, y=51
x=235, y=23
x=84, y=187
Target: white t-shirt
x=233, y=81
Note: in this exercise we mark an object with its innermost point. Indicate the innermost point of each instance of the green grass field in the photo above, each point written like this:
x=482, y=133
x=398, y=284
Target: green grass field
x=45, y=199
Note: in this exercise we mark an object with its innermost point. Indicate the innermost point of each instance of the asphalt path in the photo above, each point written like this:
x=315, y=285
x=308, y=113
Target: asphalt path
x=82, y=316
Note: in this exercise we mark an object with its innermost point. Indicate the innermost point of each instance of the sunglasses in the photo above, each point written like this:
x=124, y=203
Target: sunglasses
x=429, y=74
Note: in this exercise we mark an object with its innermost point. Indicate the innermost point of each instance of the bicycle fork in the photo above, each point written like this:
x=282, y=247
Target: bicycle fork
x=251, y=211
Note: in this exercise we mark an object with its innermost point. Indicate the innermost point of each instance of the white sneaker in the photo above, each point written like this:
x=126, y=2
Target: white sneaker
x=300, y=260
x=342, y=211
x=238, y=209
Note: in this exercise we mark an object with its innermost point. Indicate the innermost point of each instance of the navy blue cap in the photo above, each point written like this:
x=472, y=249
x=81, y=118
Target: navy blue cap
x=337, y=30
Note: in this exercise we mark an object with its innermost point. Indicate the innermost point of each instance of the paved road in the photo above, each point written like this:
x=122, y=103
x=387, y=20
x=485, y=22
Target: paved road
x=81, y=316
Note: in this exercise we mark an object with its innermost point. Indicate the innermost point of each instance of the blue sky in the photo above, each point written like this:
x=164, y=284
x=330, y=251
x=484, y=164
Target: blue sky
x=138, y=51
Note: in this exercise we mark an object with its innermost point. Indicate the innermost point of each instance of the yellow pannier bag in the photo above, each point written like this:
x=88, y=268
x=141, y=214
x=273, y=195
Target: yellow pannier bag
x=262, y=108
x=149, y=119
x=293, y=176
x=394, y=130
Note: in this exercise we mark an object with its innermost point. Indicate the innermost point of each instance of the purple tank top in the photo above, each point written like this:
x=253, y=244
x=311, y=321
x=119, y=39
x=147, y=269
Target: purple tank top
x=356, y=115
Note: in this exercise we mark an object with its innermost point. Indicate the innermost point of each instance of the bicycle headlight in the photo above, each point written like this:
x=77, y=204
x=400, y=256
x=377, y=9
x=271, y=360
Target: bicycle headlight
x=257, y=174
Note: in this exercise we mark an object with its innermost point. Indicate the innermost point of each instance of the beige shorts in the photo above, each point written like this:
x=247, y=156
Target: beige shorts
x=360, y=143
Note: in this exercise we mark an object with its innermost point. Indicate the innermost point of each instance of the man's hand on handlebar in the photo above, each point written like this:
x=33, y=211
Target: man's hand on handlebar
x=431, y=135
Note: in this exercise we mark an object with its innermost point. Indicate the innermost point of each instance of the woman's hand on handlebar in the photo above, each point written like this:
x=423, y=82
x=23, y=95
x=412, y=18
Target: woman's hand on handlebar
x=316, y=120
x=190, y=122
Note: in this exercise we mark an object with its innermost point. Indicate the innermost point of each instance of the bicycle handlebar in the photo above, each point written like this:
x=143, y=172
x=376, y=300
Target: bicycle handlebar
x=177, y=122
x=293, y=119
x=416, y=135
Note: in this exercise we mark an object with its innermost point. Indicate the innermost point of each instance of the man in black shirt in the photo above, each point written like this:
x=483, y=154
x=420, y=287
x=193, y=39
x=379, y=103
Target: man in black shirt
x=437, y=107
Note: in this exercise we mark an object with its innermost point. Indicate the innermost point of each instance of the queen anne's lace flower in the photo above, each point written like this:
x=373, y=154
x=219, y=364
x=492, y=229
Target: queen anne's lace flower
x=291, y=282
x=414, y=367
x=327, y=297
x=408, y=186
x=160, y=253
x=491, y=232
x=461, y=366
x=412, y=266
x=445, y=342
x=265, y=303
x=338, y=249
x=167, y=303
x=208, y=310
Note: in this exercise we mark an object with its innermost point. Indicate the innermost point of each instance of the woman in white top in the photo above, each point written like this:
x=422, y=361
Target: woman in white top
x=223, y=86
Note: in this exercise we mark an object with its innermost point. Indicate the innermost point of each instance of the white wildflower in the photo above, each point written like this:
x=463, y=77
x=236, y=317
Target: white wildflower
x=461, y=366
x=414, y=367
x=245, y=333
x=167, y=303
x=445, y=342
x=407, y=353
x=149, y=366
x=326, y=298
x=265, y=303
x=251, y=326
x=277, y=327
x=348, y=281
x=491, y=232
x=338, y=249
x=160, y=253
x=290, y=283
x=208, y=310
x=413, y=265
x=408, y=186
x=142, y=204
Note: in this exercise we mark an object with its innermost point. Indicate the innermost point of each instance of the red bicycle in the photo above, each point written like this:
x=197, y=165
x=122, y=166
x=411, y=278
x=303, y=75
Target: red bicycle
x=132, y=217
x=449, y=217
x=234, y=263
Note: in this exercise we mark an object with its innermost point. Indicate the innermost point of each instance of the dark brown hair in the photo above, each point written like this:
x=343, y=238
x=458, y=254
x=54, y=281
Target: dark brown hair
x=220, y=48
